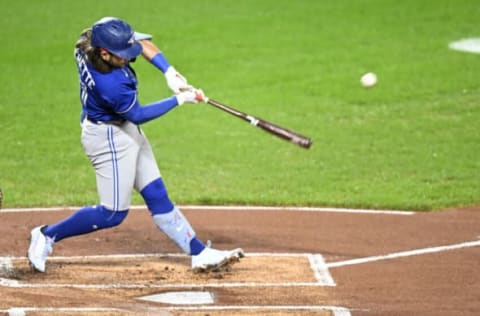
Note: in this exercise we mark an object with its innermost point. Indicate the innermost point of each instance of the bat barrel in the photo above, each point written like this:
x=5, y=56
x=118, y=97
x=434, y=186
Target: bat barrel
x=286, y=134
x=271, y=128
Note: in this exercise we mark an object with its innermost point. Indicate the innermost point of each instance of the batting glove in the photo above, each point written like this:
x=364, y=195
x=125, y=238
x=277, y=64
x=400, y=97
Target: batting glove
x=191, y=96
x=175, y=81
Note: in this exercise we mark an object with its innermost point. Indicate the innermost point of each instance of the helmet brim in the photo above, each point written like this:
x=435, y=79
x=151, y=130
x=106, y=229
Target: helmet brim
x=130, y=52
x=142, y=36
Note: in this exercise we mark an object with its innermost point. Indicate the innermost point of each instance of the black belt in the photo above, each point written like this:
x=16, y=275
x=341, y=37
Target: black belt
x=116, y=123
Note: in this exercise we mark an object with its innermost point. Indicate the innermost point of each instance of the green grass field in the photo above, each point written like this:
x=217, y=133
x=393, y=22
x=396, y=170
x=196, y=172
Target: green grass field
x=411, y=142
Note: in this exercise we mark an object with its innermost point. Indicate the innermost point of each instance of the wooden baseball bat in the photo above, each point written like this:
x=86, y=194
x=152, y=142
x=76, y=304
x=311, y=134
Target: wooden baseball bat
x=269, y=127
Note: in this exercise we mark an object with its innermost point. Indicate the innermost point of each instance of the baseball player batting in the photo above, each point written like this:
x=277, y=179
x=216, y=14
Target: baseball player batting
x=117, y=147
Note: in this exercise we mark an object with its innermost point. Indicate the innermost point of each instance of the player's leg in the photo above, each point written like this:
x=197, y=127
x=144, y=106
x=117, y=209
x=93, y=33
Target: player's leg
x=83, y=221
x=167, y=217
x=86, y=220
x=170, y=220
x=114, y=156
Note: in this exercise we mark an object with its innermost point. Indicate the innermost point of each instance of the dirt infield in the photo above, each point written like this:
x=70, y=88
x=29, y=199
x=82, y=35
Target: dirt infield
x=299, y=262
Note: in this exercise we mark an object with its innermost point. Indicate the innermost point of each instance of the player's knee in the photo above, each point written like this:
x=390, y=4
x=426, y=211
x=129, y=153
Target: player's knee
x=156, y=197
x=108, y=218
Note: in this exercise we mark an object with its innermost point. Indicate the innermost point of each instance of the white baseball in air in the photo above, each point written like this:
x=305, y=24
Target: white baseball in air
x=368, y=80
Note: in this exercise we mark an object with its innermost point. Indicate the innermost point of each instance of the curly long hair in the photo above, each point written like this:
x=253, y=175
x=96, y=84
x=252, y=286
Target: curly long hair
x=92, y=53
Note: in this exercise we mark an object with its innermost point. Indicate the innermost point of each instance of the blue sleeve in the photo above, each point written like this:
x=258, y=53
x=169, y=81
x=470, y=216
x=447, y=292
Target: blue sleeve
x=160, y=62
x=140, y=114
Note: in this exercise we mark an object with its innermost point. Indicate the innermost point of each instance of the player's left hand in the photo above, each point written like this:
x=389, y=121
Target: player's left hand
x=175, y=81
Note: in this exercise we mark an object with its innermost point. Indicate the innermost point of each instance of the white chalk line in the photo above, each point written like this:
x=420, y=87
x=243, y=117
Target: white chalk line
x=320, y=270
x=153, y=255
x=228, y=208
x=316, y=261
x=19, y=310
x=16, y=284
x=336, y=310
x=6, y=264
x=408, y=253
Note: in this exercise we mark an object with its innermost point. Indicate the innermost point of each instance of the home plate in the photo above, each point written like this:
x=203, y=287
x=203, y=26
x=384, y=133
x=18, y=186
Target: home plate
x=181, y=298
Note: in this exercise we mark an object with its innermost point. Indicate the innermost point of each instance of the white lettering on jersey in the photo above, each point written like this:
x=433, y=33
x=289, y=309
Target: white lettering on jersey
x=85, y=77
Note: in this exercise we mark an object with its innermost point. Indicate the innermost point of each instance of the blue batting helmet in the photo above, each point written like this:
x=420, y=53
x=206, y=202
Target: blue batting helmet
x=116, y=36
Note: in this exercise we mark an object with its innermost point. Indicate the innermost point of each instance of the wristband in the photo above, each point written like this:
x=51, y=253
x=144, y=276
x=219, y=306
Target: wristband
x=180, y=99
x=160, y=62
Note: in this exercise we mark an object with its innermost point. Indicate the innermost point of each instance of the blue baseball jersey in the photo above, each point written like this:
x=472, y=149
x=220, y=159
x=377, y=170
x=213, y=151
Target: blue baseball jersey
x=105, y=96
